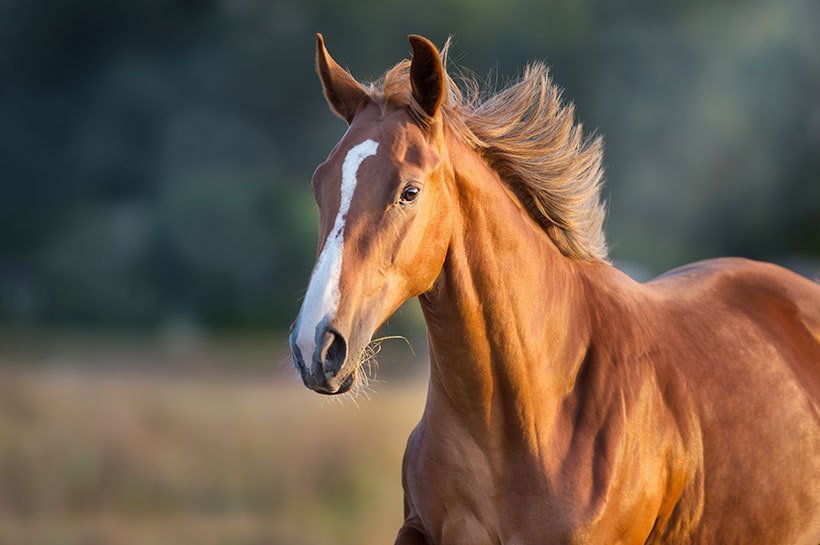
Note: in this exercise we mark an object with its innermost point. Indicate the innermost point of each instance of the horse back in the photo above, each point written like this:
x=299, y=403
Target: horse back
x=758, y=303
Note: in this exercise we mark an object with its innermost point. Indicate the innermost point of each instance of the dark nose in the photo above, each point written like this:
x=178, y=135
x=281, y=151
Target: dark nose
x=331, y=353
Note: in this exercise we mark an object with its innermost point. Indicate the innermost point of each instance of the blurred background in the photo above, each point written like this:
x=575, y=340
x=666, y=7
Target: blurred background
x=157, y=232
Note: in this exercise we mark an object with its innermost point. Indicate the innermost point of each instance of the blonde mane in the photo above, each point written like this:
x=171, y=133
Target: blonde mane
x=530, y=138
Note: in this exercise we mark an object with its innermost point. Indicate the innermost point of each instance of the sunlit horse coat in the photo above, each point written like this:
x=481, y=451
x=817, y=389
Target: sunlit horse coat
x=567, y=403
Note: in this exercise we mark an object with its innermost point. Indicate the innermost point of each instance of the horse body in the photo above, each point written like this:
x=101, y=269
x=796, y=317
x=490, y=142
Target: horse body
x=605, y=414
x=567, y=403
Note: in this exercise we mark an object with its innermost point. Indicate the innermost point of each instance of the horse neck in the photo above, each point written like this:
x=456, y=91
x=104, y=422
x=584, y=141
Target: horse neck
x=506, y=322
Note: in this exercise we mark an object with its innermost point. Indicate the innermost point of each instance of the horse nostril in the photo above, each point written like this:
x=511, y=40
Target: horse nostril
x=333, y=353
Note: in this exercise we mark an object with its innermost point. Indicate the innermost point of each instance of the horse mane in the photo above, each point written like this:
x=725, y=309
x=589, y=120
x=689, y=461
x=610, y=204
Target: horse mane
x=528, y=135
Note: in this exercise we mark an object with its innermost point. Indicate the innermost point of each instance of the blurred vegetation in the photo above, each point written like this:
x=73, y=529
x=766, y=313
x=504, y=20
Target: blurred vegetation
x=127, y=459
x=155, y=156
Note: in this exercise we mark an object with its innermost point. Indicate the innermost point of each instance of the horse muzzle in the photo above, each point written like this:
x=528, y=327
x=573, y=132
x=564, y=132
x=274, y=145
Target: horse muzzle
x=323, y=371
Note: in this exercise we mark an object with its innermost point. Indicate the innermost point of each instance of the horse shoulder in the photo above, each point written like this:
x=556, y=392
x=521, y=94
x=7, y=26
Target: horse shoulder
x=746, y=337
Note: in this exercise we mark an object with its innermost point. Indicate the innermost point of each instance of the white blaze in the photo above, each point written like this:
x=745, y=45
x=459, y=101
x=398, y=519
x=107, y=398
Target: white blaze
x=322, y=298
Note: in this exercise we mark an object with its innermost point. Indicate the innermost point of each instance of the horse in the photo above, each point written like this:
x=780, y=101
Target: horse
x=567, y=403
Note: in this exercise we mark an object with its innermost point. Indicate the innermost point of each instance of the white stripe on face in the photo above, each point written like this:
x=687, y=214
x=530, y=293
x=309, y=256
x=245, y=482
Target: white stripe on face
x=322, y=297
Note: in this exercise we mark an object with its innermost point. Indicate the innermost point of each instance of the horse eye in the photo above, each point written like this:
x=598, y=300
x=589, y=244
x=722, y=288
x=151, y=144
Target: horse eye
x=409, y=194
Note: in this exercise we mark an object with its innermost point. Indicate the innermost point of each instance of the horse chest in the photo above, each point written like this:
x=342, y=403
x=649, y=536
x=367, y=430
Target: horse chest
x=449, y=488
x=458, y=494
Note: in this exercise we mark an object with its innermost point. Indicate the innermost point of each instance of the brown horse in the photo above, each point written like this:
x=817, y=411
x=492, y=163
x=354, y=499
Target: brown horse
x=567, y=403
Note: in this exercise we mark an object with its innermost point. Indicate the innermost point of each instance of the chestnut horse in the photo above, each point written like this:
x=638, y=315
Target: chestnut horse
x=567, y=403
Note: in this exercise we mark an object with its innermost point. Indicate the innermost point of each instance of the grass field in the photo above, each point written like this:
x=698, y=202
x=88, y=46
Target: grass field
x=125, y=455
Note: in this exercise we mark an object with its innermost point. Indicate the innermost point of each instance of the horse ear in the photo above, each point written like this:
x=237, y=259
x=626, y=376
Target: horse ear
x=342, y=91
x=427, y=75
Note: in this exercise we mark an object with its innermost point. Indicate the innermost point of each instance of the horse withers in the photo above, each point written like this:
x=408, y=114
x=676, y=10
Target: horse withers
x=567, y=403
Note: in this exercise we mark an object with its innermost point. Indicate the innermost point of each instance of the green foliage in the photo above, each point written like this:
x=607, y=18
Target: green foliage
x=155, y=156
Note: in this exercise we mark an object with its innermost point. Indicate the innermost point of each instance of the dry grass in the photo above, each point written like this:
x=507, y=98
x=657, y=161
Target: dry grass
x=93, y=458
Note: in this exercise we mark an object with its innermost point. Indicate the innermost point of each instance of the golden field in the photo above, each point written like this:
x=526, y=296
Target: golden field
x=96, y=449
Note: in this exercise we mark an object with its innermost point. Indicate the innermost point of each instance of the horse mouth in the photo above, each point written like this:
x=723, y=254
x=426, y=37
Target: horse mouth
x=343, y=388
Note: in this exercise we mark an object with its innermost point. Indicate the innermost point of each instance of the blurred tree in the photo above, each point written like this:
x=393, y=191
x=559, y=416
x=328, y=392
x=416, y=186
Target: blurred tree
x=154, y=156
